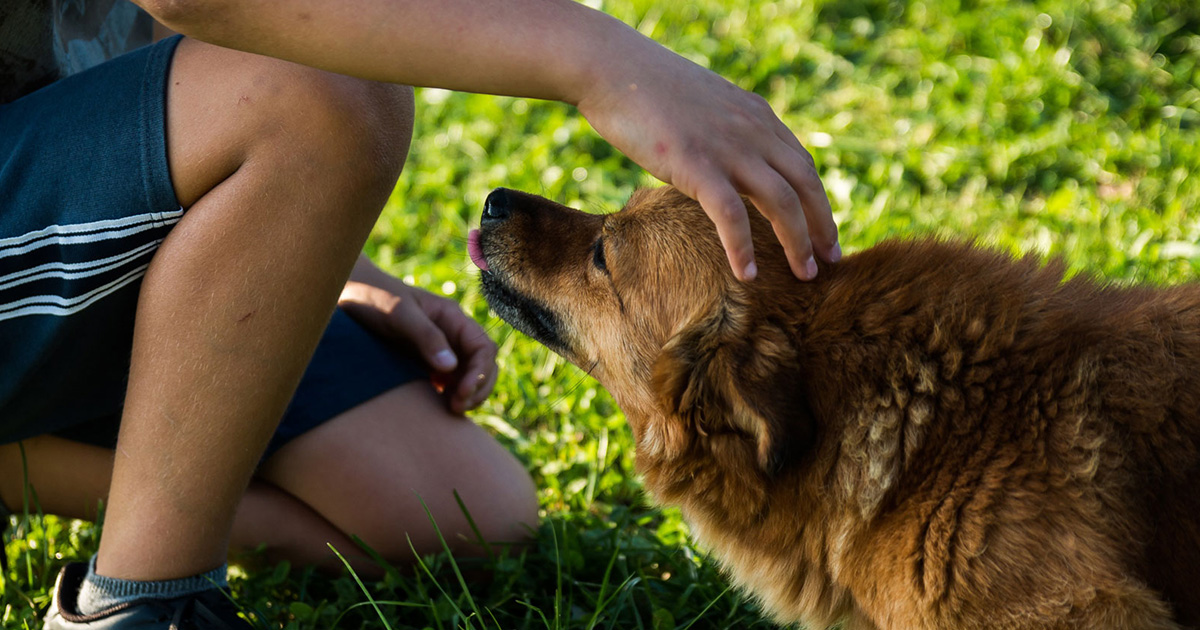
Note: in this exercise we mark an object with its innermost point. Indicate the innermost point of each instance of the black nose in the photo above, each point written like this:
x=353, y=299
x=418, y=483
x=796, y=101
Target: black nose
x=495, y=207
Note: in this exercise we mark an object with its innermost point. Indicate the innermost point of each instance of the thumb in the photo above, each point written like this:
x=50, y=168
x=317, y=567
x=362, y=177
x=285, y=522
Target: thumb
x=402, y=318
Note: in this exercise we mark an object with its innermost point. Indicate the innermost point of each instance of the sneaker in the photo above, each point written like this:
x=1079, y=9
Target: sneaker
x=210, y=610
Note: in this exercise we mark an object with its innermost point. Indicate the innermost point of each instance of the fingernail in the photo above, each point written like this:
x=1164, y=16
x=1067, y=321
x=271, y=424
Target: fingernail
x=445, y=360
x=750, y=272
x=836, y=254
x=810, y=268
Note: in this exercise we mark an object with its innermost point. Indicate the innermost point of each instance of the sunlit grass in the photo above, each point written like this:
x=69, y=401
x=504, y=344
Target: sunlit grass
x=1066, y=128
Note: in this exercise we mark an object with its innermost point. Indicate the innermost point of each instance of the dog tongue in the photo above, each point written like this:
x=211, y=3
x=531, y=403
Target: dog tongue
x=474, y=251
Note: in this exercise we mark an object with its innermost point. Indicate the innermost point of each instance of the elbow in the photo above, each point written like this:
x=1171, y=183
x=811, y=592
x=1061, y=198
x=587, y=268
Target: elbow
x=186, y=16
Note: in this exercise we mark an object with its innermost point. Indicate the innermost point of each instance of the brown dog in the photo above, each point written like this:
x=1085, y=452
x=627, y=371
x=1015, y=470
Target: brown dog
x=927, y=436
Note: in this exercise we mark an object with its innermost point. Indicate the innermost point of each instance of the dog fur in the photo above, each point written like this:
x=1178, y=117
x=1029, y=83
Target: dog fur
x=928, y=436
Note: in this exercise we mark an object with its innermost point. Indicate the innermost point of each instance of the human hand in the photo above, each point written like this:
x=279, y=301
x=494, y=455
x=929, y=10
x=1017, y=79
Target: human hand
x=461, y=356
x=714, y=141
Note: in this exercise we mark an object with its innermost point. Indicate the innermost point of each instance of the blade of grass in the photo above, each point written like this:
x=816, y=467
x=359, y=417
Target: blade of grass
x=48, y=577
x=453, y=564
x=380, y=602
x=424, y=567
x=604, y=582
x=422, y=592
x=236, y=604
x=710, y=605
x=626, y=593
x=493, y=616
x=557, y=577
x=362, y=586
x=374, y=555
x=487, y=548
x=601, y=460
x=629, y=579
x=545, y=622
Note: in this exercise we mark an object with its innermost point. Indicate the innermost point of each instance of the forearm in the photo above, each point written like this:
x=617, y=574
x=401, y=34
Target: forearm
x=366, y=272
x=550, y=49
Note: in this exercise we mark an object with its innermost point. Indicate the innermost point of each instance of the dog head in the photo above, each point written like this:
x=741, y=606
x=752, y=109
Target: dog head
x=644, y=300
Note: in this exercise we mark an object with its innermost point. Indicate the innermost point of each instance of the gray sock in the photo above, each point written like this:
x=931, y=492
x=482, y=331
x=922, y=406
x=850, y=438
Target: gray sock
x=98, y=593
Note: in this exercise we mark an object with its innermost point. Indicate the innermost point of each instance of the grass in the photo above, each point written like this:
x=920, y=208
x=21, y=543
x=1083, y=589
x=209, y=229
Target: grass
x=1063, y=127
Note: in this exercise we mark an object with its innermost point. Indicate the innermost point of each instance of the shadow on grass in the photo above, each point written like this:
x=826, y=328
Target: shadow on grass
x=579, y=571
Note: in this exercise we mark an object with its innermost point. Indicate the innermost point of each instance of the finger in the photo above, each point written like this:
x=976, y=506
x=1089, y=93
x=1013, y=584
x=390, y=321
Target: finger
x=787, y=136
x=801, y=173
x=465, y=334
x=475, y=370
x=476, y=349
x=777, y=200
x=484, y=390
x=725, y=207
x=408, y=320
x=481, y=369
x=478, y=373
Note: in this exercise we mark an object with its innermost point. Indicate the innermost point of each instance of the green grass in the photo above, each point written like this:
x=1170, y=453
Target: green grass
x=1063, y=127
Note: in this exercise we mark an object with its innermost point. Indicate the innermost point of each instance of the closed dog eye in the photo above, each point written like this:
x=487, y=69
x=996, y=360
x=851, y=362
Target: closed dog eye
x=598, y=255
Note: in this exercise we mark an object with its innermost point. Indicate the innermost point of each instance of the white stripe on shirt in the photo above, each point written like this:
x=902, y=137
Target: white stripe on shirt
x=92, y=232
x=74, y=271
x=58, y=305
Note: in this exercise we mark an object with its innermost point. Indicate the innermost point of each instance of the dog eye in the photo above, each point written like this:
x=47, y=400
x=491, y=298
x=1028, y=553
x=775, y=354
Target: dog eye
x=598, y=256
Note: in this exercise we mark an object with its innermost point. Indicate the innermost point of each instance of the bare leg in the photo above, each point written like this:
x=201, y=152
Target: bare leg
x=389, y=450
x=71, y=480
x=283, y=172
x=368, y=471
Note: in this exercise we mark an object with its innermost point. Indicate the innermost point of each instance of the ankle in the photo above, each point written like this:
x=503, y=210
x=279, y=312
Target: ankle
x=99, y=592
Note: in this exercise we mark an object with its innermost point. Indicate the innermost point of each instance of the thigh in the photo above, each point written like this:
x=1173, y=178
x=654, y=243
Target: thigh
x=368, y=470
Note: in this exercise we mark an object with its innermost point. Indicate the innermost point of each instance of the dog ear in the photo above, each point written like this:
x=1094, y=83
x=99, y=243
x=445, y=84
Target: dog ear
x=715, y=375
x=685, y=392
x=784, y=422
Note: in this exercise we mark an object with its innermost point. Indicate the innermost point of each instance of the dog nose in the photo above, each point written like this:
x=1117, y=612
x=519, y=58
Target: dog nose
x=495, y=207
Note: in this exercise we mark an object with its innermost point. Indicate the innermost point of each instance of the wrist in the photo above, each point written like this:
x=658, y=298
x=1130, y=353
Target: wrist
x=604, y=60
x=365, y=272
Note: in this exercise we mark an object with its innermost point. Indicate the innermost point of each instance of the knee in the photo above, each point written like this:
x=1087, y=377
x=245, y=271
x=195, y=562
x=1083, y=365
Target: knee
x=361, y=129
x=383, y=470
x=503, y=504
x=498, y=504
x=384, y=126
x=228, y=109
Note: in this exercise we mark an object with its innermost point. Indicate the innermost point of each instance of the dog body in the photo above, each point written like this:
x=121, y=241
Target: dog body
x=928, y=436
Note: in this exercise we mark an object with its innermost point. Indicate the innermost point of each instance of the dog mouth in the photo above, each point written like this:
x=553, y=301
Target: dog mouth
x=475, y=250
x=520, y=311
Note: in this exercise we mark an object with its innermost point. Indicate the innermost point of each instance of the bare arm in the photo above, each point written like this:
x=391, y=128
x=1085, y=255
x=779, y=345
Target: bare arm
x=532, y=48
x=684, y=124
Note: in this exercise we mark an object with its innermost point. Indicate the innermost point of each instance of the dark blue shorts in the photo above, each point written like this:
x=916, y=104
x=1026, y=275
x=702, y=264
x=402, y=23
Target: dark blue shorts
x=85, y=199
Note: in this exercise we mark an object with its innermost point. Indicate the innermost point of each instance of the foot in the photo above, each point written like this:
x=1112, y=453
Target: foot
x=210, y=610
